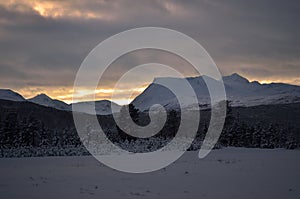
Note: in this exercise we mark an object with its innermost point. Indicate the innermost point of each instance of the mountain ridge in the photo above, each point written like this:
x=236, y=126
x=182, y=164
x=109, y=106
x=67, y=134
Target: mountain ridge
x=102, y=106
x=45, y=100
x=8, y=94
x=239, y=90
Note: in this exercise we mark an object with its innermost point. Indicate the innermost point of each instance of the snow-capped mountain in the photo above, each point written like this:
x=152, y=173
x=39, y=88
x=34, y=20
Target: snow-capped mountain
x=239, y=91
x=44, y=100
x=102, y=107
x=8, y=94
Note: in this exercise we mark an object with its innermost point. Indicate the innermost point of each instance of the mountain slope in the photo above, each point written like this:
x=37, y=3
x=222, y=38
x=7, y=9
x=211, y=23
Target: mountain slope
x=7, y=94
x=44, y=100
x=239, y=91
x=102, y=107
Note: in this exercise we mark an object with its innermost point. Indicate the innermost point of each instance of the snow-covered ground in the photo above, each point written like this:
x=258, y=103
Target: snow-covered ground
x=226, y=173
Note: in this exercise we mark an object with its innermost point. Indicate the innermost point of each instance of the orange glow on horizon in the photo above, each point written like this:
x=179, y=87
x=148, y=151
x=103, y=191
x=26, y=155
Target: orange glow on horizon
x=66, y=94
x=276, y=80
x=121, y=96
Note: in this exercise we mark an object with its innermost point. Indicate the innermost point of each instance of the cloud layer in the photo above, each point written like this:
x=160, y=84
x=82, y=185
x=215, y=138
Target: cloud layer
x=42, y=43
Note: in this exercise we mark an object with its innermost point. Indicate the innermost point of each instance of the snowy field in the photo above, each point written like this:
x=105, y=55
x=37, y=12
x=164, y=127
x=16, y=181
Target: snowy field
x=226, y=173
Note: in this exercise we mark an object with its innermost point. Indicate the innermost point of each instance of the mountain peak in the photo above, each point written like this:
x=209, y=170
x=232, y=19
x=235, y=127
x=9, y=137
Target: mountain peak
x=41, y=99
x=236, y=75
x=236, y=78
x=45, y=100
x=8, y=94
x=42, y=95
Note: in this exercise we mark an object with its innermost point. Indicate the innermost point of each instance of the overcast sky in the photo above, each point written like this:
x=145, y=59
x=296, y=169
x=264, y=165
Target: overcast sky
x=42, y=43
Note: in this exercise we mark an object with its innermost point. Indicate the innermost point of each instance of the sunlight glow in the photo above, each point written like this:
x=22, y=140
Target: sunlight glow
x=56, y=9
x=121, y=97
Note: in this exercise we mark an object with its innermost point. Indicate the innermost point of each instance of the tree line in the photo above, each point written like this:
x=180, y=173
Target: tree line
x=32, y=132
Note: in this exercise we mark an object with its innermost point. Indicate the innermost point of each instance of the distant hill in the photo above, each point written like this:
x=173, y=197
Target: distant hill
x=239, y=91
x=8, y=94
x=44, y=100
x=102, y=107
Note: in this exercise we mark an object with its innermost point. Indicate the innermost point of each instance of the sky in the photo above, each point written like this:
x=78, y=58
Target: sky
x=43, y=43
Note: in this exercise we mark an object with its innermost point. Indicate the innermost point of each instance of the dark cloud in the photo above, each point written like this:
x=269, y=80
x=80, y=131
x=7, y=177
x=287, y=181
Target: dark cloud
x=256, y=38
